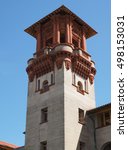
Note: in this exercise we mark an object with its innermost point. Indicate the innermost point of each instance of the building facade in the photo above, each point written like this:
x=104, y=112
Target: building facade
x=61, y=85
x=61, y=109
x=101, y=120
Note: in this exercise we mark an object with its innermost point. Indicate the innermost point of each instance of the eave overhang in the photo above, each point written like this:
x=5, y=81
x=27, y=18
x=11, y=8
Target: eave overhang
x=89, y=31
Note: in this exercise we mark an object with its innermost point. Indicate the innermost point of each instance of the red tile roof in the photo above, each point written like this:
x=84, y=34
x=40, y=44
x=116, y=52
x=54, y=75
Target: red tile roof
x=7, y=145
x=88, y=30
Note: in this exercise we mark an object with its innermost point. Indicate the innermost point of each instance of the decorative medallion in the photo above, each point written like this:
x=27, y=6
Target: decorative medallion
x=67, y=63
x=59, y=62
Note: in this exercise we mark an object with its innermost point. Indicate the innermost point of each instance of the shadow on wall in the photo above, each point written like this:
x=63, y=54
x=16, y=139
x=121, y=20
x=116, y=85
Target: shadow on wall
x=106, y=146
x=87, y=138
x=87, y=135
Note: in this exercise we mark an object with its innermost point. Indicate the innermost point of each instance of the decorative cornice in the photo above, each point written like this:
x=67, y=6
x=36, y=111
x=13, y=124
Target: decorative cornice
x=45, y=63
x=40, y=66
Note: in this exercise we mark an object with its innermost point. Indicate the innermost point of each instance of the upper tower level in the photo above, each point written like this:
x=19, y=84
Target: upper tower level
x=61, y=26
x=61, y=36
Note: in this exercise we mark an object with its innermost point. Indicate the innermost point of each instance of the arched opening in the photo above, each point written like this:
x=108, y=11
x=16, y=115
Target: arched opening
x=106, y=146
x=80, y=86
x=45, y=85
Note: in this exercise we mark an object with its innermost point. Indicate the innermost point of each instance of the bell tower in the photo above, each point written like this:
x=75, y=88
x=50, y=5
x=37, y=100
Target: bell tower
x=61, y=83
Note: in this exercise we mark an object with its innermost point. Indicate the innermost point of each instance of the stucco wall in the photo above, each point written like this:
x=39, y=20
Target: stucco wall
x=53, y=130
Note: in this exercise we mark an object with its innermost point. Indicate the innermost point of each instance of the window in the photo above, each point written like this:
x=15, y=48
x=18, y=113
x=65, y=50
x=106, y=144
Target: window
x=81, y=116
x=43, y=145
x=100, y=120
x=45, y=86
x=44, y=115
x=80, y=86
x=107, y=118
x=81, y=145
x=52, y=80
x=74, y=79
x=86, y=85
x=49, y=42
x=38, y=85
x=104, y=119
x=62, y=37
x=75, y=43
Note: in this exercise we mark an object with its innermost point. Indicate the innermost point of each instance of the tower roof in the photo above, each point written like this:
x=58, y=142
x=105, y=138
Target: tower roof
x=88, y=30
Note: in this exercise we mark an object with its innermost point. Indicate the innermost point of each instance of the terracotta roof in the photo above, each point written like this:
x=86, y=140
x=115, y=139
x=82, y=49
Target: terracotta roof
x=7, y=145
x=92, y=111
x=88, y=30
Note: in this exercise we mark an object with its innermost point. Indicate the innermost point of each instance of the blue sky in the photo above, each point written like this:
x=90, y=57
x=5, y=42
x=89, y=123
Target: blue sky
x=17, y=47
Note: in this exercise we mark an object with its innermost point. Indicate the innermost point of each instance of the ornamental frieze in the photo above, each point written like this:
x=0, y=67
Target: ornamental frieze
x=45, y=63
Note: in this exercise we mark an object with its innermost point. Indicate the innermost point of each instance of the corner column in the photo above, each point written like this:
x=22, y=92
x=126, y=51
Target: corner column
x=54, y=30
x=83, y=40
x=57, y=30
x=67, y=30
x=39, y=38
x=70, y=29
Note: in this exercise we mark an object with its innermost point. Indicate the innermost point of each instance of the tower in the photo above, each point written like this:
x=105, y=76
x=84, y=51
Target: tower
x=61, y=83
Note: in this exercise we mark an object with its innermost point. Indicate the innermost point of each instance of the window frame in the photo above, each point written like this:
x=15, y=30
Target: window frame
x=102, y=121
x=81, y=116
x=81, y=145
x=44, y=115
x=43, y=145
x=62, y=37
x=38, y=85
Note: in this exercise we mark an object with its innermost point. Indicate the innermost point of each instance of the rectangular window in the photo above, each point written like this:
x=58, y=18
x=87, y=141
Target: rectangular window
x=44, y=115
x=75, y=43
x=74, y=79
x=86, y=85
x=100, y=120
x=107, y=118
x=52, y=80
x=81, y=116
x=81, y=146
x=49, y=42
x=38, y=85
x=62, y=37
x=43, y=145
x=104, y=119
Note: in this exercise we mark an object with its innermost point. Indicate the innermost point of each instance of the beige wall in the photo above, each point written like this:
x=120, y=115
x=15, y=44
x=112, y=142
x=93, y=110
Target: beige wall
x=62, y=131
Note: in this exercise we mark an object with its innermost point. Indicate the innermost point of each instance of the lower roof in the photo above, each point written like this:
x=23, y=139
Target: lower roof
x=5, y=144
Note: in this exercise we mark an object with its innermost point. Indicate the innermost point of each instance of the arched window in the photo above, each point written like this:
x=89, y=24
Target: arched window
x=45, y=87
x=80, y=86
x=45, y=84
